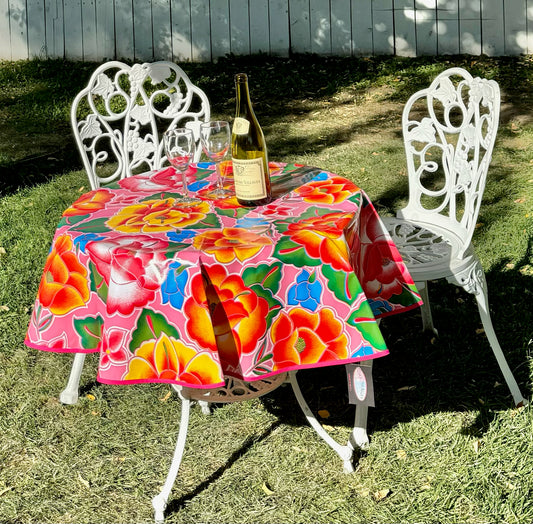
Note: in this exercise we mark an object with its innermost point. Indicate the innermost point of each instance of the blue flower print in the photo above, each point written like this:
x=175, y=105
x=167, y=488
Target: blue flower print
x=379, y=307
x=81, y=241
x=251, y=222
x=306, y=292
x=321, y=176
x=363, y=351
x=196, y=186
x=180, y=236
x=173, y=288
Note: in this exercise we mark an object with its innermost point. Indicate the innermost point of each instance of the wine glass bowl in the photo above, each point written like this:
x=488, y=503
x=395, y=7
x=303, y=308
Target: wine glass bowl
x=180, y=148
x=216, y=139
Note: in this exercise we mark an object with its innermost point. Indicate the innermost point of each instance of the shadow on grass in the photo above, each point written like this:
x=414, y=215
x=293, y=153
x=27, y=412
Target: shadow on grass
x=177, y=504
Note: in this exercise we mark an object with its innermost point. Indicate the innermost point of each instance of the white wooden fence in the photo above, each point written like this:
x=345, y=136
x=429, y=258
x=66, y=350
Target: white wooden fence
x=201, y=30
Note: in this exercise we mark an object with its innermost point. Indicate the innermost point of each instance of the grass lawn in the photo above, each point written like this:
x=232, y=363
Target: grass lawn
x=447, y=445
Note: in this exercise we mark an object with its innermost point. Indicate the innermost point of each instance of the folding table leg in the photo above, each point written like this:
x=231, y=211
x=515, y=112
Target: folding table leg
x=344, y=452
x=159, y=502
x=70, y=394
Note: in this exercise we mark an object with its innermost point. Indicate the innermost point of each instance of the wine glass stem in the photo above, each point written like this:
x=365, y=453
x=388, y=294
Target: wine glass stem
x=219, y=176
x=184, y=182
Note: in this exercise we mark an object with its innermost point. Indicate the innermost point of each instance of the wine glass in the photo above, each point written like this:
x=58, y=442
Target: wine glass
x=180, y=147
x=216, y=139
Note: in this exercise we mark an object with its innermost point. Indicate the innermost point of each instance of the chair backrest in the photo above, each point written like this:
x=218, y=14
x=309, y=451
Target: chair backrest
x=119, y=118
x=449, y=131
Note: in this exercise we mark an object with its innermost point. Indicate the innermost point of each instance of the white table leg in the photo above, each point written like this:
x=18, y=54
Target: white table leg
x=159, y=502
x=70, y=394
x=344, y=452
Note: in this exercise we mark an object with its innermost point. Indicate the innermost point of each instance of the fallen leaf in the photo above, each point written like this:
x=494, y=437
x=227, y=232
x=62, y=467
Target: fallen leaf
x=520, y=200
x=401, y=454
x=328, y=427
x=95, y=413
x=2, y=251
x=476, y=445
x=425, y=487
x=406, y=388
x=90, y=397
x=265, y=487
x=166, y=397
x=480, y=331
x=375, y=153
x=497, y=384
x=83, y=481
x=362, y=491
x=381, y=494
x=4, y=308
x=323, y=413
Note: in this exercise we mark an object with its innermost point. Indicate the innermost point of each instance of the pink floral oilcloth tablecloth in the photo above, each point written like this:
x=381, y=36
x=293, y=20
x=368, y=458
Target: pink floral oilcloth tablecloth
x=192, y=293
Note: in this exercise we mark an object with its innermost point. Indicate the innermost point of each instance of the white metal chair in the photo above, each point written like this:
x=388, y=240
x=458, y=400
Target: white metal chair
x=118, y=121
x=119, y=117
x=449, y=131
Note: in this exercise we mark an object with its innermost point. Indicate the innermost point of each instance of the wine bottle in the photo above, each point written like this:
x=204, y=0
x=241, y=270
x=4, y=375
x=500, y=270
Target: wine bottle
x=248, y=151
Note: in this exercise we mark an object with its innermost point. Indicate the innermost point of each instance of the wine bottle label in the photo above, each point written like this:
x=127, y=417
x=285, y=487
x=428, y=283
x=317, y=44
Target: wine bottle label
x=249, y=179
x=241, y=126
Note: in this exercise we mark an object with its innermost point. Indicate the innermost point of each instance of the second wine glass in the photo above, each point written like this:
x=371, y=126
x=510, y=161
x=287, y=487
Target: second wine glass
x=180, y=147
x=216, y=139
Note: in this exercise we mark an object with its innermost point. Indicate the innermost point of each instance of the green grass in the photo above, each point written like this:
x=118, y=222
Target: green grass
x=446, y=444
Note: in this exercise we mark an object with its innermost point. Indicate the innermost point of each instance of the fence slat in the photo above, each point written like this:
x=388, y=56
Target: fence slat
x=161, y=29
x=239, y=27
x=426, y=32
x=300, y=26
x=341, y=30
x=405, y=29
x=18, y=29
x=220, y=37
x=515, y=27
x=259, y=26
x=200, y=26
x=88, y=17
x=36, y=29
x=105, y=29
x=142, y=30
x=320, y=18
x=383, y=25
x=448, y=27
x=125, y=47
x=73, y=30
x=279, y=26
x=181, y=30
x=492, y=24
x=362, y=28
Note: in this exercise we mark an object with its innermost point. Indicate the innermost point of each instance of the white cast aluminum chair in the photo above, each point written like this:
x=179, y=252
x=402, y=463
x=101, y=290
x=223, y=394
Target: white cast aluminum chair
x=449, y=131
x=118, y=119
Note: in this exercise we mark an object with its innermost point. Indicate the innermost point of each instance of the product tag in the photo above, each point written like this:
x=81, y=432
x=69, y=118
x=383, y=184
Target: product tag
x=360, y=385
x=241, y=126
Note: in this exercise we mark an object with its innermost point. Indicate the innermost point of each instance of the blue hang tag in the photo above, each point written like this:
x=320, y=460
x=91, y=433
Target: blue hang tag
x=360, y=385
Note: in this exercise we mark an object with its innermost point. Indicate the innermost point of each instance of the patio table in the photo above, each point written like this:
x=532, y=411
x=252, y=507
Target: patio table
x=198, y=294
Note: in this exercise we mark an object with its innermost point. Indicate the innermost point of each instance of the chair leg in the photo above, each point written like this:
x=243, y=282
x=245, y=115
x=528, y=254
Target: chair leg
x=344, y=452
x=425, y=309
x=159, y=502
x=475, y=282
x=70, y=394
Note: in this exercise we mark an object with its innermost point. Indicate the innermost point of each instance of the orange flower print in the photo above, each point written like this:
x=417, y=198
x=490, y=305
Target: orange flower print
x=89, y=203
x=322, y=237
x=224, y=315
x=166, y=358
x=158, y=216
x=330, y=191
x=64, y=284
x=231, y=243
x=302, y=337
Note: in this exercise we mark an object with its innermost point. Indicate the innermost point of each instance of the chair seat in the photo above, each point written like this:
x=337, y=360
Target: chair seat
x=429, y=251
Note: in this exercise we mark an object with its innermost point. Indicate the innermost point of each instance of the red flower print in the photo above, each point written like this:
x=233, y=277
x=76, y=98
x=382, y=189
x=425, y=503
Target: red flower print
x=231, y=243
x=89, y=203
x=64, y=284
x=330, y=191
x=225, y=315
x=132, y=267
x=378, y=264
x=303, y=337
x=323, y=238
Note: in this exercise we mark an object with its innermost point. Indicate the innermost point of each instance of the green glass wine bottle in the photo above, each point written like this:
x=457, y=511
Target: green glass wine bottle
x=248, y=151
